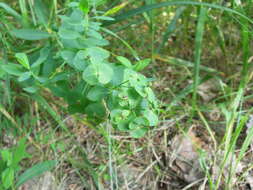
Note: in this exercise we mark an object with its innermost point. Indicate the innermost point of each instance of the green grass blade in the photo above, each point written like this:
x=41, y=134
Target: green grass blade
x=186, y=91
x=208, y=129
x=231, y=149
x=245, y=145
x=246, y=55
x=87, y=166
x=8, y=116
x=33, y=18
x=242, y=87
x=146, y=8
x=41, y=12
x=221, y=39
x=10, y=11
x=36, y=170
x=24, y=12
x=171, y=28
x=50, y=110
x=234, y=115
x=185, y=63
x=197, y=53
x=134, y=53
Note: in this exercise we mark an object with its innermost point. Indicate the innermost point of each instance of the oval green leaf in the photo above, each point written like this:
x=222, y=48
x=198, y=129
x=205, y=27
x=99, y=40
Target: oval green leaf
x=30, y=34
x=36, y=170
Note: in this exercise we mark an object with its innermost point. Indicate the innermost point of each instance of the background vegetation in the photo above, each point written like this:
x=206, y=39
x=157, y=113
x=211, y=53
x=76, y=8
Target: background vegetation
x=200, y=70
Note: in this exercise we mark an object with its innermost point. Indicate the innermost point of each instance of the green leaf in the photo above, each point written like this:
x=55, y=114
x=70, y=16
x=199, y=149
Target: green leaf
x=130, y=75
x=36, y=170
x=23, y=60
x=140, y=65
x=94, y=34
x=96, y=110
x=68, y=56
x=73, y=44
x=138, y=133
x=118, y=75
x=91, y=42
x=119, y=115
x=90, y=74
x=13, y=69
x=103, y=18
x=151, y=96
x=19, y=153
x=123, y=126
x=8, y=177
x=151, y=117
x=68, y=34
x=140, y=90
x=138, y=81
x=138, y=123
x=7, y=156
x=105, y=73
x=75, y=19
x=2, y=166
x=97, y=54
x=24, y=76
x=77, y=108
x=30, y=34
x=31, y=89
x=98, y=73
x=73, y=4
x=84, y=6
x=124, y=61
x=141, y=121
x=79, y=61
x=97, y=93
x=44, y=53
x=42, y=79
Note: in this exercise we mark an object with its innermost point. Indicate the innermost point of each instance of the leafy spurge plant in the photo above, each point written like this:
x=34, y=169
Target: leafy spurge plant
x=10, y=167
x=94, y=85
x=10, y=164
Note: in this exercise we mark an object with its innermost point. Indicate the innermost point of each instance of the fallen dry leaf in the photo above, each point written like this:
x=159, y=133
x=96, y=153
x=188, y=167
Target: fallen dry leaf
x=185, y=156
x=208, y=90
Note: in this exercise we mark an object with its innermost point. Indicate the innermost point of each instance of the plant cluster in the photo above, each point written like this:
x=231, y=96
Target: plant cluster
x=58, y=50
x=10, y=164
x=75, y=66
